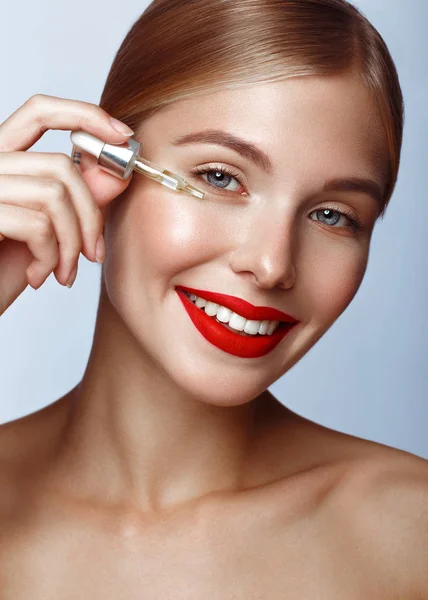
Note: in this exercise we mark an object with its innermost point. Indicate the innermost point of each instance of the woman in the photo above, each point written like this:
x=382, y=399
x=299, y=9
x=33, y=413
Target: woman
x=170, y=471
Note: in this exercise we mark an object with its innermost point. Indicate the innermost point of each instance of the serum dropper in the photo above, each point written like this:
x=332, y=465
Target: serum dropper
x=122, y=160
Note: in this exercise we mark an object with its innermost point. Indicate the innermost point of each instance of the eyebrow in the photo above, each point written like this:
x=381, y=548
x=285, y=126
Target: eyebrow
x=356, y=184
x=224, y=138
x=261, y=159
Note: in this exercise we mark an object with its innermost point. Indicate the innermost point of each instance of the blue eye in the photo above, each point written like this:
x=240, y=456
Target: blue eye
x=220, y=178
x=355, y=223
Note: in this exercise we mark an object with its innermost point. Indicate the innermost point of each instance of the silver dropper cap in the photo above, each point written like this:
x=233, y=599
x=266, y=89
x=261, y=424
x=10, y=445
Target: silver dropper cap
x=117, y=160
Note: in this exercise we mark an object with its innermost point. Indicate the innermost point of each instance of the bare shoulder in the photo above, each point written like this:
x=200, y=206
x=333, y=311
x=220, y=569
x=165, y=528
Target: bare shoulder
x=386, y=500
x=370, y=499
x=26, y=445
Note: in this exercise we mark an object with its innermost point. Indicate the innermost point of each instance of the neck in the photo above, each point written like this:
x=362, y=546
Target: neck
x=133, y=438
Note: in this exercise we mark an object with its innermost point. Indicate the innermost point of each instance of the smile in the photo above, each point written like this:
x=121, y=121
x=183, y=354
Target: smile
x=232, y=320
x=233, y=332
x=241, y=307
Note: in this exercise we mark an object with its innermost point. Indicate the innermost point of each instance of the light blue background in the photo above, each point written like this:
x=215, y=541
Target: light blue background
x=367, y=376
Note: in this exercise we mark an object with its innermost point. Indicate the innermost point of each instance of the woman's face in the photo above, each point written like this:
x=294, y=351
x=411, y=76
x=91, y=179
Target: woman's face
x=262, y=235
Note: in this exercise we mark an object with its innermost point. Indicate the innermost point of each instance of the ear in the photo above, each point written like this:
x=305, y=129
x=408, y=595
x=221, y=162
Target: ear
x=104, y=186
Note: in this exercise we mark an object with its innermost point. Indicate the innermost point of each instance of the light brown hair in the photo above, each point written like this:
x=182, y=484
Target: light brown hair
x=180, y=48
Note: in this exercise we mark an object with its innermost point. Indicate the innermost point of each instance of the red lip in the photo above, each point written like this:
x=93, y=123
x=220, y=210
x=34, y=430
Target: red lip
x=228, y=340
x=241, y=307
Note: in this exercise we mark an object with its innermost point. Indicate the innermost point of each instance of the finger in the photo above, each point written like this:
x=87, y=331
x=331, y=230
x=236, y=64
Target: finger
x=36, y=230
x=83, y=161
x=58, y=166
x=14, y=260
x=41, y=112
x=50, y=197
x=104, y=187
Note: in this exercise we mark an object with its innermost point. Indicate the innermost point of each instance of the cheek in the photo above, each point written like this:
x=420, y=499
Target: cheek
x=333, y=281
x=171, y=232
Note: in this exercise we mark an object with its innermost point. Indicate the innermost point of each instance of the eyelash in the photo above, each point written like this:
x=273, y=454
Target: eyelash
x=356, y=224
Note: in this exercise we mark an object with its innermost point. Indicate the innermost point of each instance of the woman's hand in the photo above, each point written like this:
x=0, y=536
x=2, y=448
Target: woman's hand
x=49, y=209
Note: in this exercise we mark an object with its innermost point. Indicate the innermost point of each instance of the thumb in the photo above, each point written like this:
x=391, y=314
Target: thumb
x=104, y=186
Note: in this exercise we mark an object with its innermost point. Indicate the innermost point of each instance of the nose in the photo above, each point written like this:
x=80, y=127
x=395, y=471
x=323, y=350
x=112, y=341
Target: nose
x=266, y=252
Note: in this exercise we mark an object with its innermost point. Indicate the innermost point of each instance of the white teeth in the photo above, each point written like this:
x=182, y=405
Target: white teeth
x=252, y=327
x=211, y=308
x=235, y=321
x=224, y=314
x=271, y=328
x=200, y=302
x=264, y=327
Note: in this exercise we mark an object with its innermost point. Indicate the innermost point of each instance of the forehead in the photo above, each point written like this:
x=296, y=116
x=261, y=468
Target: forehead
x=326, y=121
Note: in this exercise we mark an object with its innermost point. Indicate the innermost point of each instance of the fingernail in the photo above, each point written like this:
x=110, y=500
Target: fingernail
x=72, y=277
x=100, y=249
x=121, y=127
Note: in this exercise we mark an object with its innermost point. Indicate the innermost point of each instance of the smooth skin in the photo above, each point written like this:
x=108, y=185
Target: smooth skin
x=170, y=471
